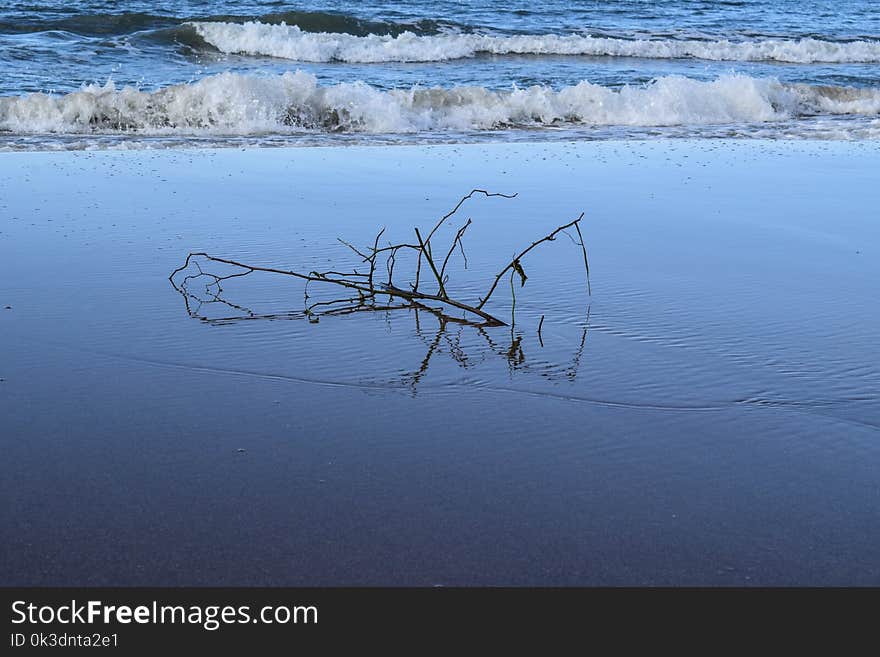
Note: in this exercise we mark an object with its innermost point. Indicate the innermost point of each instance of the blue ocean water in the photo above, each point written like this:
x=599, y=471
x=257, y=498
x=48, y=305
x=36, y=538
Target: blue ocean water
x=75, y=74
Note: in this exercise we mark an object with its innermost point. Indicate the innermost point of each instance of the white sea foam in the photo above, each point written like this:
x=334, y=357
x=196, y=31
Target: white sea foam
x=290, y=42
x=237, y=104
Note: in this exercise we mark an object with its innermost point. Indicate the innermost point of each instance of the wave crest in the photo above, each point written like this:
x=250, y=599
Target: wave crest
x=292, y=42
x=236, y=104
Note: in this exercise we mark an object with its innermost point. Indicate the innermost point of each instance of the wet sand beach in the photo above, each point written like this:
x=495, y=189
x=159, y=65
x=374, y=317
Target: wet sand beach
x=709, y=415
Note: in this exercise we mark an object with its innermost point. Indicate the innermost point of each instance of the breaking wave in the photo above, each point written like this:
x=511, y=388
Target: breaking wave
x=290, y=41
x=237, y=104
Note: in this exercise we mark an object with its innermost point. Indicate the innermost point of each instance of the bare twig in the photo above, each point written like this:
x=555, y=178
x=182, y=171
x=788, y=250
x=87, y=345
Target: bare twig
x=426, y=250
x=455, y=241
x=577, y=227
x=460, y=203
x=515, y=263
x=372, y=258
x=447, y=216
x=350, y=246
x=512, y=301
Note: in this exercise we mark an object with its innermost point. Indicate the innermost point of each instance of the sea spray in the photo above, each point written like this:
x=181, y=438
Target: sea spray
x=291, y=42
x=239, y=104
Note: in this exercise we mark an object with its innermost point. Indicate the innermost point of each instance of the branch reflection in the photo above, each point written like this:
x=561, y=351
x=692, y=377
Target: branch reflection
x=203, y=299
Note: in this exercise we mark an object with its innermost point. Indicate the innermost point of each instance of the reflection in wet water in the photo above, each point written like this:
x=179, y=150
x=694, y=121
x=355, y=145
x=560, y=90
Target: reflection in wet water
x=202, y=293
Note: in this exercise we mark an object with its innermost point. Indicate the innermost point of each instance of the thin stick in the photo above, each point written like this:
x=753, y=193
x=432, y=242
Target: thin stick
x=365, y=257
x=513, y=302
x=584, y=249
x=430, y=260
x=444, y=218
x=460, y=203
x=517, y=258
x=372, y=258
x=455, y=241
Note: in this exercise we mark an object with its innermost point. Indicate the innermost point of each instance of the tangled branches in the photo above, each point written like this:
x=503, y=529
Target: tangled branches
x=428, y=287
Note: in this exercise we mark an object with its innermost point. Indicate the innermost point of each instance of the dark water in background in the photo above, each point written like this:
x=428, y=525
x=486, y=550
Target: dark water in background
x=717, y=423
x=165, y=73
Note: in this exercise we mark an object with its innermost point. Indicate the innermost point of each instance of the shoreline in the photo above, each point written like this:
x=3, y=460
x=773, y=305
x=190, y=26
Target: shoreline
x=608, y=135
x=732, y=309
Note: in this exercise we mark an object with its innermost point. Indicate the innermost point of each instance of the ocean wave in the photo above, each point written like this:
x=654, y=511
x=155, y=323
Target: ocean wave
x=89, y=24
x=237, y=104
x=107, y=24
x=289, y=41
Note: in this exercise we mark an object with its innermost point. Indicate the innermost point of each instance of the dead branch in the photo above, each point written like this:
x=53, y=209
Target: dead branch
x=516, y=265
x=426, y=250
x=447, y=216
x=456, y=240
x=365, y=285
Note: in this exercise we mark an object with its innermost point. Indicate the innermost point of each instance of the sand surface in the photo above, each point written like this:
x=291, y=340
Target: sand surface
x=714, y=419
